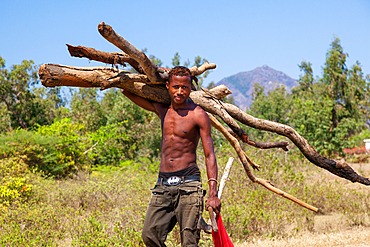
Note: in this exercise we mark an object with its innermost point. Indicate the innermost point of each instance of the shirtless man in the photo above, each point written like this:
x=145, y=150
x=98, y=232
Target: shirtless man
x=178, y=194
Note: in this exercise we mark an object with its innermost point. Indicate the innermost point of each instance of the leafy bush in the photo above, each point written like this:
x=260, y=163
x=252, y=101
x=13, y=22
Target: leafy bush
x=70, y=153
x=14, y=181
x=38, y=151
x=56, y=150
x=110, y=144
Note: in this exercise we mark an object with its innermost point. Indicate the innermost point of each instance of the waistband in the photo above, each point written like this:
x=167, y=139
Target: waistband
x=174, y=180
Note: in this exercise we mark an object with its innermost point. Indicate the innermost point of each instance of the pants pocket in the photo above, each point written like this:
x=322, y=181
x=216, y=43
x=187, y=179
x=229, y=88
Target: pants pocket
x=157, y=196
x=190, y=195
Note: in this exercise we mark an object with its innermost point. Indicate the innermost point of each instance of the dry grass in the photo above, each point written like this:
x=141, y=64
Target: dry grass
x=329, y=230
x=355, y=237
x=107, y=207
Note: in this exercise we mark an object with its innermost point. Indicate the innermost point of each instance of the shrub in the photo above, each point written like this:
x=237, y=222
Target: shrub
x=110, y=144
x=55, y=150
x=70, y=151
x=14, y=181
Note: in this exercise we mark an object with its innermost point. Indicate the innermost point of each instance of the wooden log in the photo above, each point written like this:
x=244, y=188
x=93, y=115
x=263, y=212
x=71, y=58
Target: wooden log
x=204, y=67
x=266, y=145
x=52, y=75
x=122, y=58
x=148, y=65
x=104, y=57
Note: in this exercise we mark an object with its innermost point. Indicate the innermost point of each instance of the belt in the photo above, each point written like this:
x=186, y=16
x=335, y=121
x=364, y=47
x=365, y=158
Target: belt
x=174, y=180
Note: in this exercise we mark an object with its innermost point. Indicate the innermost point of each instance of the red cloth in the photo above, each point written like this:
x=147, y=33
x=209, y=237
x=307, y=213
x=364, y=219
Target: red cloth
x=221, y=238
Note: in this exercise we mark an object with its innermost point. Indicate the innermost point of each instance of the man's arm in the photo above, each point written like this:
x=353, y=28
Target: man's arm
x=143, y=103
x=211, y=163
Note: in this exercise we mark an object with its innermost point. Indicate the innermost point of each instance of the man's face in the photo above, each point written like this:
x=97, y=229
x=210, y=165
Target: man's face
x=179, y=88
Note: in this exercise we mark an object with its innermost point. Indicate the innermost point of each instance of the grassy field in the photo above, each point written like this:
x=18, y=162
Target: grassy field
x=106, y=206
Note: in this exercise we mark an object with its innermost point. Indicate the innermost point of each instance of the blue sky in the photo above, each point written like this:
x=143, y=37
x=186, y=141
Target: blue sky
x=236, y=35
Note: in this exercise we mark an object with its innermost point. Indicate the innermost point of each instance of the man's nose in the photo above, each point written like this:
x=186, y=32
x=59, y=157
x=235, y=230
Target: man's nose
x=180, y=91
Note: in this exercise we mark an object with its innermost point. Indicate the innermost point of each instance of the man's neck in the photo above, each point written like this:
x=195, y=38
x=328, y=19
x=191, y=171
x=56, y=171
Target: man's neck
x=181, y=106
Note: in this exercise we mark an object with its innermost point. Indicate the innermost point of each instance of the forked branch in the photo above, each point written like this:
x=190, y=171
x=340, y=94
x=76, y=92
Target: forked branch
x=267, y=145
x=148, y=65
x=245, y=160
x=339, y=168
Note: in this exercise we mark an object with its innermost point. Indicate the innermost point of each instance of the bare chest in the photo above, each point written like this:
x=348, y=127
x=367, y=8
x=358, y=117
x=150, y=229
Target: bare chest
x=180, y=124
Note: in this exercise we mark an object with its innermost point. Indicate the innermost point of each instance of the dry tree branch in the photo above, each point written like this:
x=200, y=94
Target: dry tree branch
x=245, y=160
x=122, y=58
x=221, y=92
x=148, y=65
x=195, y=71
x=52, y=75
x=212, y=105
x=339, y=168
x=267, y=145
x=62, y=75
x=104, y=57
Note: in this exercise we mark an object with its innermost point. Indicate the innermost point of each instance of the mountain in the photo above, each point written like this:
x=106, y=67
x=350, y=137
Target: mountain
x=242, y=83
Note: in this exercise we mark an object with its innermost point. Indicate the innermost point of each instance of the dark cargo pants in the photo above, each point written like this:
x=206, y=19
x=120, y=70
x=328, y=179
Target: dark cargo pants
x=171, y=204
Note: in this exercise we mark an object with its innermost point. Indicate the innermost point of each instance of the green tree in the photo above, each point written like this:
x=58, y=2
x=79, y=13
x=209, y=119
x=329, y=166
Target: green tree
x=328, y=110
x=142, y=128
x=86, y=109
x=176, y=60
x=274, y=106
x=346, y=87
x=19, y=104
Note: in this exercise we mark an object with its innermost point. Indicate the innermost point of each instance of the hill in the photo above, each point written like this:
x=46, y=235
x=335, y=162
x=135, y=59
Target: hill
x=241, y=84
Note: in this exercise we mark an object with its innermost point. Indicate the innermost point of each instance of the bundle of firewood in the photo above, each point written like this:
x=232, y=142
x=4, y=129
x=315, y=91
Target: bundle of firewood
x=149, y=82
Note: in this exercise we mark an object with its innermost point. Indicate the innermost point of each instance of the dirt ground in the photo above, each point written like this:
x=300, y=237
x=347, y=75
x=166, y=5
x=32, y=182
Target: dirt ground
x=329, y=230
x=356, y=237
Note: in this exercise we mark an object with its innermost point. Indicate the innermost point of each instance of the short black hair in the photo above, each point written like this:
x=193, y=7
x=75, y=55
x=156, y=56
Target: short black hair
x=182, y=71
x=179, y=71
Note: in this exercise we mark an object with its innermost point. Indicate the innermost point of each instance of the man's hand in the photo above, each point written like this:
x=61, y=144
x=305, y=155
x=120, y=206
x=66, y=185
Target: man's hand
x=215, y=203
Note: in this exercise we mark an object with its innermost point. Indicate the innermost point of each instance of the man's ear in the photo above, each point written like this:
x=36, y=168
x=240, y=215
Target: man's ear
x=167, y=84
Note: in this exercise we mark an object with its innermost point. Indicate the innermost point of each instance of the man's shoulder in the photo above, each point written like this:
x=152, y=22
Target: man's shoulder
x=160, y=107
x=200, y=114
x=199, y=110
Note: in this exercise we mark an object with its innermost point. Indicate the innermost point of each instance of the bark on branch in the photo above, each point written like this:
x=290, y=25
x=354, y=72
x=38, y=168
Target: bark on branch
x=105, y=57
x=266, y=145
x=148, y=65
x=52, y=75
x=204, y=67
